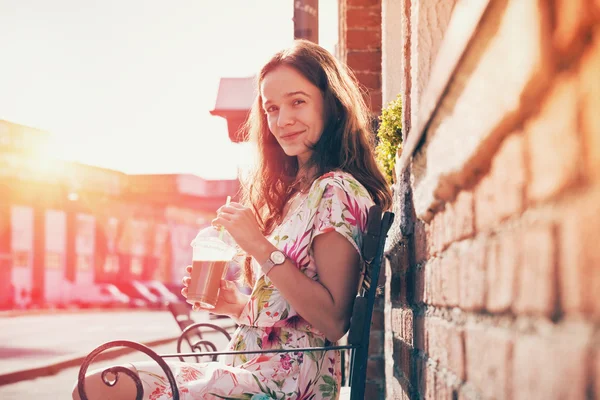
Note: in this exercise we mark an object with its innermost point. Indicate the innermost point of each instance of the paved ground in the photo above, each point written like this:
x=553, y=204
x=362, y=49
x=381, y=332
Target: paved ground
x=33, y=341
x=60, y=386
x=29, y=342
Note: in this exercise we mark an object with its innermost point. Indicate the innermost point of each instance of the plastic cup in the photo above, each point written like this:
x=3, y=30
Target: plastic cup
x=213, y=250
x=206, y=280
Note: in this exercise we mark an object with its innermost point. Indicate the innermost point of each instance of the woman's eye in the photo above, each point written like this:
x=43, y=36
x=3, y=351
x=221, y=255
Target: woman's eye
x=271, y=109
x=298, y=101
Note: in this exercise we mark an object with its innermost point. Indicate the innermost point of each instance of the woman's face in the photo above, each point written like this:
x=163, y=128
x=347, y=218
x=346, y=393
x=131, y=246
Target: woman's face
x=294, y=108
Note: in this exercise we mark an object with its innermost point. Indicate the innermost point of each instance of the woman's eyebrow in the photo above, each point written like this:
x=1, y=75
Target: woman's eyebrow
x=290, y=94
x=296, y=93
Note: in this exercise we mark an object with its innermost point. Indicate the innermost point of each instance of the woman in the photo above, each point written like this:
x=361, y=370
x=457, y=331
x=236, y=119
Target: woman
x=304, y=212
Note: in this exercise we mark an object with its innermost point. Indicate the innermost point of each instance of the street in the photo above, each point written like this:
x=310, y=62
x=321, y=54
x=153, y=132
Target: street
x=29, y=342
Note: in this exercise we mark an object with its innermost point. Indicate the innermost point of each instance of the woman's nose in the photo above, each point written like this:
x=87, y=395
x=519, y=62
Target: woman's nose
x=286, y=118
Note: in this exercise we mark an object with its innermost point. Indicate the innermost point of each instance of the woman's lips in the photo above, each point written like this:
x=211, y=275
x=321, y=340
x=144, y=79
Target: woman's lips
x=291, y=136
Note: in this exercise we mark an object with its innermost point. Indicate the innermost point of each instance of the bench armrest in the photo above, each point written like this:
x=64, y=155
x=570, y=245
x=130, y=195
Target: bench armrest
x=298, y=350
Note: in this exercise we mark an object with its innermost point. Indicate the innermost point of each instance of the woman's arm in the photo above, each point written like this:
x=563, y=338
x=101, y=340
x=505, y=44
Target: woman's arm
x=327, y=303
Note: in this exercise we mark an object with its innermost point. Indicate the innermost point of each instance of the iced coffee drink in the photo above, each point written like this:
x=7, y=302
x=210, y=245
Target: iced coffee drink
x=206, y=281
x=213, y=250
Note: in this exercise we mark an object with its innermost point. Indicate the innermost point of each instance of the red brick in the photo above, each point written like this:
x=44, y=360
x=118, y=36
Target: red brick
x=363, y=3
x=360, y=39
x=437, y=337
x=551, y=367
x=503, y=258
x=570, y=20
x=396, y=321
x=456, y=351
x=364, y=61
x=430, y=335
x=442, y=390
x=446, y=220
x=464, y=214
x=419, y=288
x=363, y=18
x=579, y=271
x=420, y=370
x=402, y=290
x=428, y=281
x=419, y=339
x=374, y=391
x=370, y=80
x=488, y=359
x=589, y=89
x=437, y=233
x=450, y=266
x=397, y=389
x=378, y=318
x=374, y=100
x=553, y=144
x=405, y=391
x=500, y=194
x=421, y=242
x=433, y=283
x=376, y=369
x=536, y=284
x=468, y=392
x=376, y=342
x=403, y=358
x=379, y=304
x=429, y=393
x=407, y=326
x=471, y=275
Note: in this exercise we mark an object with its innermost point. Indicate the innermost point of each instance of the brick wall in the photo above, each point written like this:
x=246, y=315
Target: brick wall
x=360, y=45
x=493, y=275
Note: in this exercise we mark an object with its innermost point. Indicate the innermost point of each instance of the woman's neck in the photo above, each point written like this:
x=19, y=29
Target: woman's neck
x=304, y=178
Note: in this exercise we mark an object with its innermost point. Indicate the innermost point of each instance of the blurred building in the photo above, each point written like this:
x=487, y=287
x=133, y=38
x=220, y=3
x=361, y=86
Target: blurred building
x=65, y=223
x=234, y=101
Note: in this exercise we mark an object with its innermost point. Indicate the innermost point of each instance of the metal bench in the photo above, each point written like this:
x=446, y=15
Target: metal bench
x=378, y=224
x=192, y=332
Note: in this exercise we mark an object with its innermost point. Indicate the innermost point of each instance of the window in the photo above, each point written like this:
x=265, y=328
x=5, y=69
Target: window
x=54, y=260
x=111, y=263
x=84, y=263
x=21, y=259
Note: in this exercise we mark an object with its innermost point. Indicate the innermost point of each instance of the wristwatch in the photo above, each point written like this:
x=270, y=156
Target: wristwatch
x=275, y=258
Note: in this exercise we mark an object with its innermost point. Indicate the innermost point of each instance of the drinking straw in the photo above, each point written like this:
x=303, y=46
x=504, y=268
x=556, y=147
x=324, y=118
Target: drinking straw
x=221, y=228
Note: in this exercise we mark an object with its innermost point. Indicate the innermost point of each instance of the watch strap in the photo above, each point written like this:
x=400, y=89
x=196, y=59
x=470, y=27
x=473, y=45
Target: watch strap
x=275, y=258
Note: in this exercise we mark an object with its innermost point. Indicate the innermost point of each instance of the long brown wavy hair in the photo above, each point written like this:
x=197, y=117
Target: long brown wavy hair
x=346, y=144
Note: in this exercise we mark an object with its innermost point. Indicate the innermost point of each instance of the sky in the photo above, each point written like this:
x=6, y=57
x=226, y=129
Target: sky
x=128, y=84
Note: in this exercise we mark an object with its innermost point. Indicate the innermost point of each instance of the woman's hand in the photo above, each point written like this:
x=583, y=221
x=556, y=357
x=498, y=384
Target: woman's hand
x=230, y=302
x=241, y=224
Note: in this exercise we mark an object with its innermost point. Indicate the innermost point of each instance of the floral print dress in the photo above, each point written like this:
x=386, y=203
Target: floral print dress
x=335, y=202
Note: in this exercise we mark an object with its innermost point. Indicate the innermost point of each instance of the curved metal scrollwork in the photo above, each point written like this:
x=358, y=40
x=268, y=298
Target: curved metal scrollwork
x=195, y=329
x=116, y=370
x=200, y=347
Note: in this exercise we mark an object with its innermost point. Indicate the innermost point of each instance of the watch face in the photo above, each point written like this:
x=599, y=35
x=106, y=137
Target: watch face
x=277, y=257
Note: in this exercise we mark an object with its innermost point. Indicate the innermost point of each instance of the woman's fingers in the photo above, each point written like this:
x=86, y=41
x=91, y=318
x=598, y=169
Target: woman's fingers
x=184, y=292
x=186, y=280
x=188, y=269
x=228, y=285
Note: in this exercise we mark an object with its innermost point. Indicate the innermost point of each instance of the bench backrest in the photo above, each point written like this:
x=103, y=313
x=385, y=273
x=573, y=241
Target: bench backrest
x=181, y=313
x=373, y=246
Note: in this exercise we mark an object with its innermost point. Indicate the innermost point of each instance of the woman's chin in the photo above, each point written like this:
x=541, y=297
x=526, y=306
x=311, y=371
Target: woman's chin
x=291, y=152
